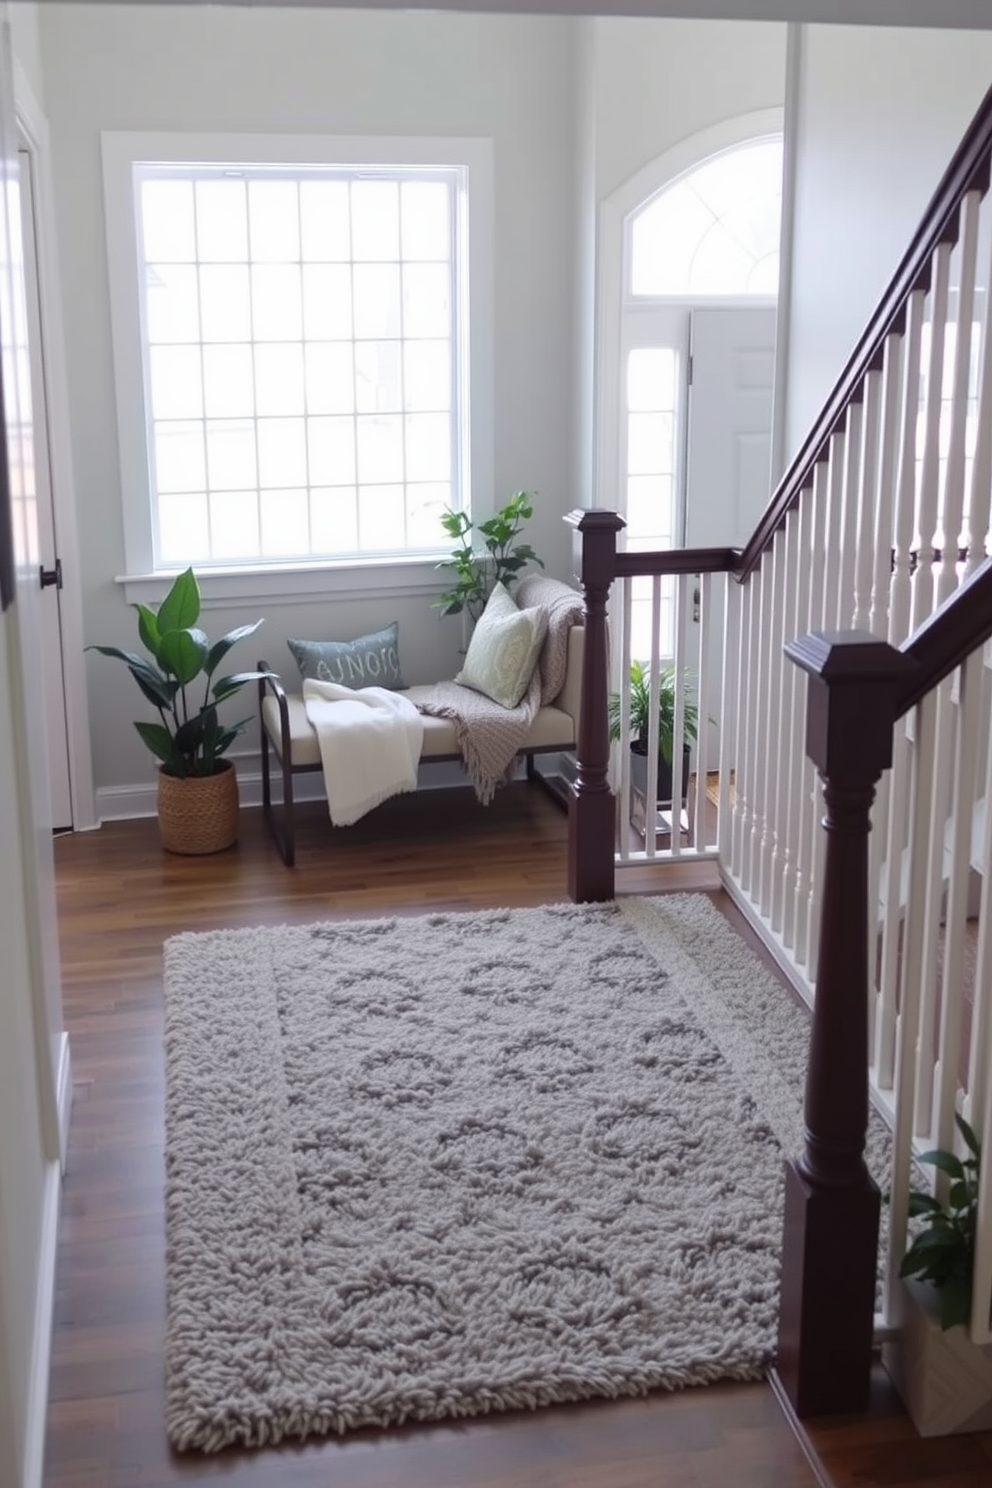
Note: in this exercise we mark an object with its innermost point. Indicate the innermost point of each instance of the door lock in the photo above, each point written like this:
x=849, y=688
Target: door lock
x=50, y=576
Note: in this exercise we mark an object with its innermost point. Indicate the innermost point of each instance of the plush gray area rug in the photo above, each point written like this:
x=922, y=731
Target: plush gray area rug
x=433, y=1167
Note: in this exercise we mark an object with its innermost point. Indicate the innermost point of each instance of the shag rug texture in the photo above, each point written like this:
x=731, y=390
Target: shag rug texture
x=438, y=1166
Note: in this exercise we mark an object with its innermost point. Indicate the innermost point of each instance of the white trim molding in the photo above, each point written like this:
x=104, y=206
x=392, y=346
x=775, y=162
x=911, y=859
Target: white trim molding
x=614, y=212
x=34, y=129
x=122, y=151
x=226, y=588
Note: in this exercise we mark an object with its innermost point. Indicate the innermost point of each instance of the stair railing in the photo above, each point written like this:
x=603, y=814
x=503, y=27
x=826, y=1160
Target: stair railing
x=881, y=521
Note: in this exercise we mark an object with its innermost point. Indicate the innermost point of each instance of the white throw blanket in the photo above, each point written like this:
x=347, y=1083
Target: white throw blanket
x=370, y=742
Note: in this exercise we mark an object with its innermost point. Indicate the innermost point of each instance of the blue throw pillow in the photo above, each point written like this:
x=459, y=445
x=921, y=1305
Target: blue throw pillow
x=369, y=661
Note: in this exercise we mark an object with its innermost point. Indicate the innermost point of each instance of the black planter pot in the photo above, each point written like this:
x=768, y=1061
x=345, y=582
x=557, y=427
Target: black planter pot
x=639, y=774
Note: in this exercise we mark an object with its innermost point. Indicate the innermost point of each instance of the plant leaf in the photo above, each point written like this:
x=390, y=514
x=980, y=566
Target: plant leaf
x=159, y=741
x=228, y=686
x=159, y=691
x=971, y=1141
x=921, y=1203
x=181, y=606
x=148, y=629
x=945, y=1161
x=183, y=652
x=220, y=648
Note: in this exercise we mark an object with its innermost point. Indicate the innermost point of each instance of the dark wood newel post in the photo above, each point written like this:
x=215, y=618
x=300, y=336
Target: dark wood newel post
x=831, y=1202
x=591, y=808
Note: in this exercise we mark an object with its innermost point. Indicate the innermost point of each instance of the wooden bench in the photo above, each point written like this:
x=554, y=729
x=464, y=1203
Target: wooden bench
x=288, y=733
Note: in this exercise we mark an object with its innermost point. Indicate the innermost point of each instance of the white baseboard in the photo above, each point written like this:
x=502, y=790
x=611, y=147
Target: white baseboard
x=63, y=1097
x=771, y=941
x=41, y=1348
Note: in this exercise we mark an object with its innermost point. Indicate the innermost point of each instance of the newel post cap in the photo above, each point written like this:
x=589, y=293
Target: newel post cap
x=594, y=545
x=851, y=705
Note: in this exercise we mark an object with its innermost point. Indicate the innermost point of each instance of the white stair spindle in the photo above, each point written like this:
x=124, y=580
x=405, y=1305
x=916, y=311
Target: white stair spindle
x=775, y=664
x=782, y=870
x=678, y=722
x=730, y=734
x=885, y=492
x=867, y=497
x=963, y=777
x=700, y=835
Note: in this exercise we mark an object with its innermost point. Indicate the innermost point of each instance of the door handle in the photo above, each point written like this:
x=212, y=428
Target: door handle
x=50, y=576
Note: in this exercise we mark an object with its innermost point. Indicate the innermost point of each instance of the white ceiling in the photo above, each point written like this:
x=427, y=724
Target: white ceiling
x=942, y=13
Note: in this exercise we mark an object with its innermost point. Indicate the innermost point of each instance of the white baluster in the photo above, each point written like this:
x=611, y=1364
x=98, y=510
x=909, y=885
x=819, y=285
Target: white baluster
x=907, y=1028
x=978, y=1102
x=681, y=595
x=947, y=528
x=980, y=486
x=797, y=718
x=746, y=704
x=761, y=676
x=848, y=547
x=775, y=664
x=891, y=875
x=829, y=607
x=782, y=869
x=699, y=835
x=929, y=488
x=730, y=732
x=651, y=763
x=952, y=507
x=626, y=626
x=867, y=498
x=964, y=773
x=885, y=494
x=813, y=620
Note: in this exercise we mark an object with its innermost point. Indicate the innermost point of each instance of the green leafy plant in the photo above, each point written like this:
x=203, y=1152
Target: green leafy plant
x=943, y=1250
x=640, y=710
x=500, y=561
x=190, y=739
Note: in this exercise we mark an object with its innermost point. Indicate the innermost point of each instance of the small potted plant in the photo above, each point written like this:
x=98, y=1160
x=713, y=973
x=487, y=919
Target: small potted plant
x=945, y=1380
x=640, y=724
x=500, y=561
x=197, y=788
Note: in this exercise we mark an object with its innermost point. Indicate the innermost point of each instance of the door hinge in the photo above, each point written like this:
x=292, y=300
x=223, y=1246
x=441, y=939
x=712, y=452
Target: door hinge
x=50, y=576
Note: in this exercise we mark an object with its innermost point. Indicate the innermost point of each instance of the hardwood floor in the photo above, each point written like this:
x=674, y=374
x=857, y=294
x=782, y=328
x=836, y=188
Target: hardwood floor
x=120, y=897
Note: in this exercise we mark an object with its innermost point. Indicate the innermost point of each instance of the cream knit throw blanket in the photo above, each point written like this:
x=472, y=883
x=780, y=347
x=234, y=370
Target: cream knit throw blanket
x=370, y=742
x=490, y=736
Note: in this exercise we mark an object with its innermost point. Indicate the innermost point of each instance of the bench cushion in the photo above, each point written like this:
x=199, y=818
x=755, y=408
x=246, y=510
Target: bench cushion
x=552, y=729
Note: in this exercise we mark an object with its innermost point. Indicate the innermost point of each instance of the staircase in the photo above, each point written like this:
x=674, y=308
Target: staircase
x=852, y=688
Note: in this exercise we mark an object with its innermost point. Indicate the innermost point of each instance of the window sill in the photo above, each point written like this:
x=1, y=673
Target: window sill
x=225, y=588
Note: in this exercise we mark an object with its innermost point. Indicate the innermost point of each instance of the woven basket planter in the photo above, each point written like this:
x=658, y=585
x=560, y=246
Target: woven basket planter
x=198, y=814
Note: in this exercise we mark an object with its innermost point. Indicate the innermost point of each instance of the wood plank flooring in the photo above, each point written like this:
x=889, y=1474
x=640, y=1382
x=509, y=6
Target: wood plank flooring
x=119, y=898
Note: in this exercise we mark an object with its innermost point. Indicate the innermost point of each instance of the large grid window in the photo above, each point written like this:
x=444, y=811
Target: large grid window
x=305, y=385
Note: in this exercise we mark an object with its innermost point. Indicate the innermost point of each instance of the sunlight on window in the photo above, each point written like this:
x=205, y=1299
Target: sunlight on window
x=715, y=231
x=302, y=374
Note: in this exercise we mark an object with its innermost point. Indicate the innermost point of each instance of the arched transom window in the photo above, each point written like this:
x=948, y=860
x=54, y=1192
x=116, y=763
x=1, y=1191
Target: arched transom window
x=715, y=231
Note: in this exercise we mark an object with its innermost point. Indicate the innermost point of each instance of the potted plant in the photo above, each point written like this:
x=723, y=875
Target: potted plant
x=944, y=1379
x=501, y=559
x=197, y=788
x=640, y=724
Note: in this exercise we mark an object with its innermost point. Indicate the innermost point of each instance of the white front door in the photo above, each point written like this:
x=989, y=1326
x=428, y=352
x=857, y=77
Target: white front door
x=52, y=677
x=728, y=454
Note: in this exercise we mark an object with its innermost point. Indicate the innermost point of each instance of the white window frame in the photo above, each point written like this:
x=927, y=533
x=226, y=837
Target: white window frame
x=303, y=579
x=615, y=303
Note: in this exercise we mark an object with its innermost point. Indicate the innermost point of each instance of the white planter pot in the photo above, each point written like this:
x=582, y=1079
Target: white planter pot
x=944, y=1379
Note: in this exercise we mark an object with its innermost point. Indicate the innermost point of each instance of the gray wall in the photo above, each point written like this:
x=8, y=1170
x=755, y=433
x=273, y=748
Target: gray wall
x=880, y=113
x=260, y=70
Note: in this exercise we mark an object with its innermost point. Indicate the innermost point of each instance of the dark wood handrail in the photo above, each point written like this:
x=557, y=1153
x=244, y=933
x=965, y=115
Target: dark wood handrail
x=967, y=171
x=942, y=643
x=677, y=561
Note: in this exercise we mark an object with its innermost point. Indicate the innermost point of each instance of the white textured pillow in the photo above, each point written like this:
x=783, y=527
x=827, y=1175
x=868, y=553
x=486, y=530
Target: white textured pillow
x=504, y=649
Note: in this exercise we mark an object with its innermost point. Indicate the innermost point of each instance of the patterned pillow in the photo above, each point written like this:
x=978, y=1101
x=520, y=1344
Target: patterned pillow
x=504, y=649
x=369, y=661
